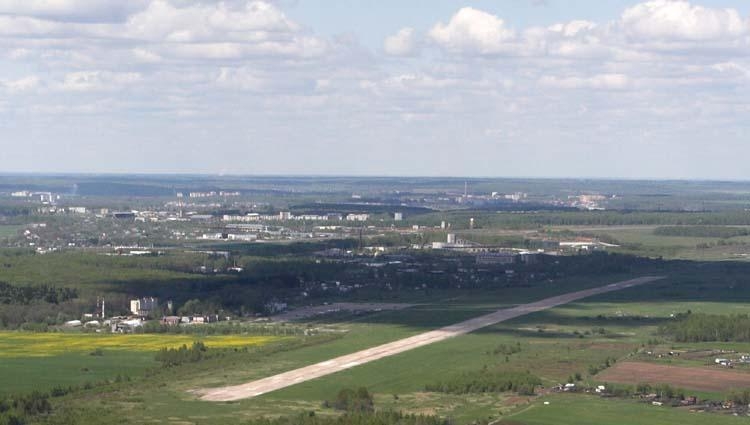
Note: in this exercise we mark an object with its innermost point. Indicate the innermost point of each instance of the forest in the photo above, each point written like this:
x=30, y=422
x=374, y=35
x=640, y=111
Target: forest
x=700, y=327
x=488, y=381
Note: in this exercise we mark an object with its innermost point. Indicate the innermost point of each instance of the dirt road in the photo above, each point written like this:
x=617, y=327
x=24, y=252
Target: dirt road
x=286, y=379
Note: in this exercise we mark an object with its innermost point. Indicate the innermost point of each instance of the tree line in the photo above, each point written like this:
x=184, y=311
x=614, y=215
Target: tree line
x=722, y=232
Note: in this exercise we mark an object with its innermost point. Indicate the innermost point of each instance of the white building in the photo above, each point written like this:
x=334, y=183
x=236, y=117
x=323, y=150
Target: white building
x=144, y=306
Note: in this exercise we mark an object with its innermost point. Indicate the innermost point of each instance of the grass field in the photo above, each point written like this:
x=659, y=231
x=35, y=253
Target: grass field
x=24, y=374
x=580, y=409
x=555, y=344
x=9, y=230
x=641, y=240
x=42, y=360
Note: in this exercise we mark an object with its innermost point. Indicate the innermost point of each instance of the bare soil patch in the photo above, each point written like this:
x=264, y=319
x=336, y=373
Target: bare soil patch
x=710, y=379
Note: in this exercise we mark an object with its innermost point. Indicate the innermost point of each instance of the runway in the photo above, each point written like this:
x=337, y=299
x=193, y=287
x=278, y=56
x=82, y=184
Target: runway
x=292, y=377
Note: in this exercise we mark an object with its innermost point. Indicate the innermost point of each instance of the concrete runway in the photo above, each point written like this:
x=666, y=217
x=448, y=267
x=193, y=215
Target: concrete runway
x=286, y=379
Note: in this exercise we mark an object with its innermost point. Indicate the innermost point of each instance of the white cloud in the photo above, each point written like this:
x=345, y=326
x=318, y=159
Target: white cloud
x=98, y=80
x=22, y=84
x=146, y=56
x=601, y=81
x=242, y=79
x=209, y=22
x=667, y=26
x=474, y=31
x=680, y=20
x=188, y=30
x=573, y=28
x=731, y=69
x=72, y=10
x=243, y=70
x=403, y=43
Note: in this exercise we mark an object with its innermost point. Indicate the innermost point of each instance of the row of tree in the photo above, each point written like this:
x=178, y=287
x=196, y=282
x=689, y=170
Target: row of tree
x=379, y=418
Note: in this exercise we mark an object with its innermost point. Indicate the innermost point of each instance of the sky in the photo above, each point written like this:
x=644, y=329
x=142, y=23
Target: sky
x=513, y=88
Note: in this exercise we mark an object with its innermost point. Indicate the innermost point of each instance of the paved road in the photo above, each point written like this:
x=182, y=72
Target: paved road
x=286, y=379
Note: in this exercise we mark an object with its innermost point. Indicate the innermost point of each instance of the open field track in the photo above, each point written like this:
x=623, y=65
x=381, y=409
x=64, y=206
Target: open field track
x=699, y=379
x=286, y=379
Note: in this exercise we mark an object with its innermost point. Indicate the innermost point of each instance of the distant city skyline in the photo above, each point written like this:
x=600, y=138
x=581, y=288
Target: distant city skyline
x=518, y=88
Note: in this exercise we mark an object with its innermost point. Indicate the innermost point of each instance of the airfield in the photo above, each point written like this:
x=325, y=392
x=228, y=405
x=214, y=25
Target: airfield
x=286, y=379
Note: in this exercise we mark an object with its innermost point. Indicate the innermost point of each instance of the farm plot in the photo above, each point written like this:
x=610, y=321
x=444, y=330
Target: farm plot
x=22, y=344
x=695, y=378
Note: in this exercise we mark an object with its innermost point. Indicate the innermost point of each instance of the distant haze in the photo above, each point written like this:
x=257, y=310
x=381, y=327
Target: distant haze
x=548, y=88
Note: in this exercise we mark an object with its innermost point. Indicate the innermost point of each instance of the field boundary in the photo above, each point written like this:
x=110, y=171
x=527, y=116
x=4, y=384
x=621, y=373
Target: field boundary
x=296, y=376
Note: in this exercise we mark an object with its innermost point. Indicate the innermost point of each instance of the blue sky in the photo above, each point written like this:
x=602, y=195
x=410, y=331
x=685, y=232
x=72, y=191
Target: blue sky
x=374, y=20
x=548, y=88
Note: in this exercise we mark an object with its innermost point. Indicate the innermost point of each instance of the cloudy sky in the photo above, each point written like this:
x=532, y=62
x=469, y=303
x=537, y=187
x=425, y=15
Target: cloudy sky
x=574, y=88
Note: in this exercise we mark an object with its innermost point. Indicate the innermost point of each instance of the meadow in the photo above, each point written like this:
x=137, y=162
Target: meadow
x=564, y=409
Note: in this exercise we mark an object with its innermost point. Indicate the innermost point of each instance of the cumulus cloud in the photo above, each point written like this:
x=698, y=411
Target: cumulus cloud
x=403, y=43
x=472, y=30
x=680, y=20
x=654, y=25
x=245, y=70
x=161, y=28
x=253, y=21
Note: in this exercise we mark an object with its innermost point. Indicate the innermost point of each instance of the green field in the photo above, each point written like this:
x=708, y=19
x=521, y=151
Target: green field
x=42, y=360
x=554, y=345
x=641, y=240
x=42, y=373
x=9, y=230
x=588, y=410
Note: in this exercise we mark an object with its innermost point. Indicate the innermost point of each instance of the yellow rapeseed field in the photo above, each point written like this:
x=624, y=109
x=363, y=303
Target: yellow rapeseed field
x=26, y=344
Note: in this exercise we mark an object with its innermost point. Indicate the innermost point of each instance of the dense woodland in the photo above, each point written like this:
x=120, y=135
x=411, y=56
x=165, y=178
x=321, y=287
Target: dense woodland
x=488, y=381
x=536, y=219
x=699, y=327
x=10, y=294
